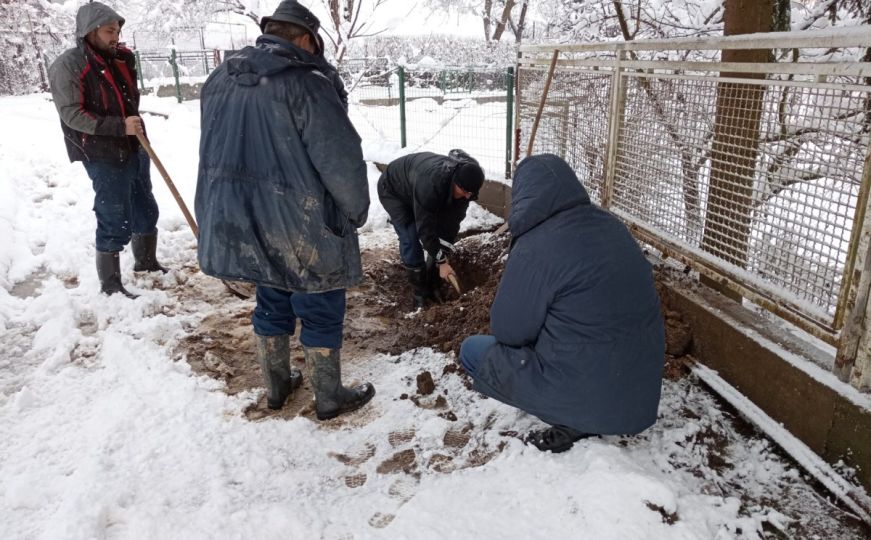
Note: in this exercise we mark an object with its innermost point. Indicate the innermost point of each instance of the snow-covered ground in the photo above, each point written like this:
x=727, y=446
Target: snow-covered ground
x=106, y=433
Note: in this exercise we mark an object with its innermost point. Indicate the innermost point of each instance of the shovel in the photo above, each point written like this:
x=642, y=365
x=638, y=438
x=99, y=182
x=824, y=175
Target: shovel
x=452, y=279
x=238, y=288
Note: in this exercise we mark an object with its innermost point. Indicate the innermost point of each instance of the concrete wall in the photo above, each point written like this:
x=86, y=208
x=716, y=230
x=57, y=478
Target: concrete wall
x=785, y=376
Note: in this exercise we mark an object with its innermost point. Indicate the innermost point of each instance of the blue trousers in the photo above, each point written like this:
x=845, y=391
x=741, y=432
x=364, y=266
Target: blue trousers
x=322, y=315
x=472, y=351
x=123, y=202
x=410, y=250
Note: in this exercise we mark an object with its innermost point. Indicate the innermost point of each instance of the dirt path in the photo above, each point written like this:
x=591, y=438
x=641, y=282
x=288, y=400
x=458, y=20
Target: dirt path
x=379, y=319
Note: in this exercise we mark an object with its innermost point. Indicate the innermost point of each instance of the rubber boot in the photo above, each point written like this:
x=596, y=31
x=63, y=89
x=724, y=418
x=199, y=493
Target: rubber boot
x=109, y=272
x=434, y=281
x=419, y=290
x=144, y=247
x=273, y=354
x=555, y=439
x=325, y=374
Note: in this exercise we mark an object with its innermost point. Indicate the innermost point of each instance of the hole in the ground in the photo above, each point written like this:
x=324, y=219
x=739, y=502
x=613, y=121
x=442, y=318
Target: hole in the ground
x=478, y=261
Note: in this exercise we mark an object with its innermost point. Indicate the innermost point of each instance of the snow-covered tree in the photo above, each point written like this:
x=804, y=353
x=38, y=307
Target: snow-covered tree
x=497, y=16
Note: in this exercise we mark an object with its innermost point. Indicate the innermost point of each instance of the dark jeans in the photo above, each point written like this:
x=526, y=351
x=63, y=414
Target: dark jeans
x=123, y=202
x=410, y=250
x=322, y=315
x=472, y=351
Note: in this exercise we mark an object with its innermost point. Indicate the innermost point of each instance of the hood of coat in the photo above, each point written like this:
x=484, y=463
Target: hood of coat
x=543, y=186
x=92, y=15
x=249, y=66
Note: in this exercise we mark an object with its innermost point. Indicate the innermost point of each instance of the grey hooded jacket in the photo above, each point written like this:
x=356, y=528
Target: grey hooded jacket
x=93, y=93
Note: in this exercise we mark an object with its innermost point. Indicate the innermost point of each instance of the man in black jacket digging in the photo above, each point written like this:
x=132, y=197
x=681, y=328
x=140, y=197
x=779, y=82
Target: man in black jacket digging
x=426, y=196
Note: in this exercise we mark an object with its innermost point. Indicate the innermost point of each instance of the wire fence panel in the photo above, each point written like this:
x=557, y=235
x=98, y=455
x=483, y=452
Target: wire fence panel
x=433, y=109
x=574, y=121
x=452, y=108
x=757, y=175
x=158, y=65
x=373, y=87
x=778, y=197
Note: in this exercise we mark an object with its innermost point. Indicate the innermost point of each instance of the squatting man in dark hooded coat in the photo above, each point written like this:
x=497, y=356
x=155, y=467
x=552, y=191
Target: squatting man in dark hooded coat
x=426, y=196
x=94, y=89
x=281, y=191
x=578, y=337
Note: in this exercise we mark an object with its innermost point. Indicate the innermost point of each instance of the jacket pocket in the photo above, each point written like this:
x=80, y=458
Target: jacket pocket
x=337, y=223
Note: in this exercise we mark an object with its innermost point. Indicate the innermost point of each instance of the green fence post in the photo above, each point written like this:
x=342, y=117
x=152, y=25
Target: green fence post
x=174, y=62
x=139, y=73
x=509, y=125
x=402, y=138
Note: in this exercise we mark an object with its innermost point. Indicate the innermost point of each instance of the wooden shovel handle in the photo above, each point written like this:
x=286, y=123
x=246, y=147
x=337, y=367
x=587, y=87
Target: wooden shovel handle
x=184, y=209
x=452, y=279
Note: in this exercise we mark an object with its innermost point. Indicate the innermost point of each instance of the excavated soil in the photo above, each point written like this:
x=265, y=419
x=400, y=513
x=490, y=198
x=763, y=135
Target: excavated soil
x=380, y=319
x=478, y=262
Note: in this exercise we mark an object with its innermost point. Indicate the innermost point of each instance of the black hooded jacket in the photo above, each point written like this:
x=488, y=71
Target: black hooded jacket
x=416, y=188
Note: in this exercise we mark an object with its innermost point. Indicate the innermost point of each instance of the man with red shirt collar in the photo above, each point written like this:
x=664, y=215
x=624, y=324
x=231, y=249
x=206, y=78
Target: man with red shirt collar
x=94, y=90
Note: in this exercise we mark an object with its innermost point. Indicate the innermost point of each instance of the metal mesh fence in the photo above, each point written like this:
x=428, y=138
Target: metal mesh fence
x=194, y=64
x=574, y=121
x=443, y=108
x=768, y=166
x=754, y=176
x=373, y=88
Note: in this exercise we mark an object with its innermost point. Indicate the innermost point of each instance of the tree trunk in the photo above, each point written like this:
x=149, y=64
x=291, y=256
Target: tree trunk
x=736, y=139
x=521, y=22
x=336, y=17
x=488, y=7
x=503, y=20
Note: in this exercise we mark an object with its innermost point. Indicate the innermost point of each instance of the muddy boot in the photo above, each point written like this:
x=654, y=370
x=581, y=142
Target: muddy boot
x=419, y=285
x=273, y=354
x=325, y=374
x=434, y=282
x=109, y=272
x=144, y=247
x=555, y=439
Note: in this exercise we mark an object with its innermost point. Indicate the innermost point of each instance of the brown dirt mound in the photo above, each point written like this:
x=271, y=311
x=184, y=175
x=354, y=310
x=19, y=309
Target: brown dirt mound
x=380, y=318
x=478, y=262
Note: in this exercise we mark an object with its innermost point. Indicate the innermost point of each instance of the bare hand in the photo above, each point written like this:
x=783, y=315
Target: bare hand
x=445, y=270
x=133, y=125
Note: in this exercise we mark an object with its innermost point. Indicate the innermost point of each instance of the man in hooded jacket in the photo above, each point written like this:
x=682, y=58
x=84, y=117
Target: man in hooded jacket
x=94, y=89
x=578, y=337
x=426, y=196
x=281, y=191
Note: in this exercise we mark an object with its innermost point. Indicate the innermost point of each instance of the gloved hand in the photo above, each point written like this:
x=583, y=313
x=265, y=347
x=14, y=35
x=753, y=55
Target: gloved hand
x=446, y=249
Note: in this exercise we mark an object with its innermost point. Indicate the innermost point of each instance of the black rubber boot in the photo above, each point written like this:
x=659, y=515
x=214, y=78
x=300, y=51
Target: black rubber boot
x=555, y=439
x=434, y=282
x=273, y=354
x=109, y=272
x=419, y=285
x=325, y=374
x=144, y=247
